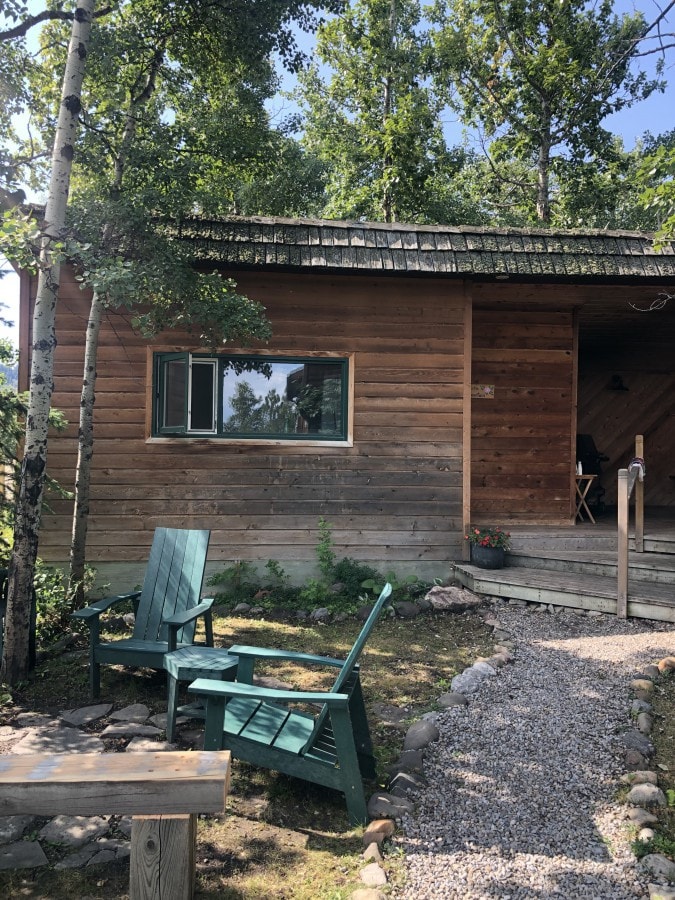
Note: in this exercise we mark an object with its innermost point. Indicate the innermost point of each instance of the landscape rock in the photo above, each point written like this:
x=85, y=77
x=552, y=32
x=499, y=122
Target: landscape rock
x=452, y=598
x=659, y=866
x=378, y=831
x=651, y=672
x=452, y=698
x=320, y=615
x=408, y=761
x=372, y=853
x=406, y=609
x=640, y=817
x=640, y=777
x=387, y=805
x=643, y=685
x=646, y=795
x=405, y=783
x=634, y=740
x=373, y=875
x=645, y=722
x=661, y=892
x=420, y=735
x=367, y=894
x=666, y=665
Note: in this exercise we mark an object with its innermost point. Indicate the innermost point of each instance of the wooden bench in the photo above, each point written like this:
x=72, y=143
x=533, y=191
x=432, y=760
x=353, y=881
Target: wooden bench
x=162, y=791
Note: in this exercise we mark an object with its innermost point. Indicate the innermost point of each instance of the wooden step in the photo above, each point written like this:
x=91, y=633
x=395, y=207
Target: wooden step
x=653, y=567
x=646, y=600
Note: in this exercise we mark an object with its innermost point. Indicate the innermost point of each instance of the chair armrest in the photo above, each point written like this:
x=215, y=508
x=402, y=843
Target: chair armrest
x=177, y=620
x=270, y=653
x=209, y=687
x=95, y=609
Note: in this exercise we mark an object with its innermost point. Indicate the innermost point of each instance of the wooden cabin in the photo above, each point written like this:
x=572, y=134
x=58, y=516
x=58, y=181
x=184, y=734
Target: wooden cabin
x=450, y=371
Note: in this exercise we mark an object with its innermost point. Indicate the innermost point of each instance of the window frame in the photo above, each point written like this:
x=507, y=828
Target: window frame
x=157, y=433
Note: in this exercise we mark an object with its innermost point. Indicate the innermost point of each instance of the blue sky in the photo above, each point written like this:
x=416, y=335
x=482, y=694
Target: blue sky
x=657, y=114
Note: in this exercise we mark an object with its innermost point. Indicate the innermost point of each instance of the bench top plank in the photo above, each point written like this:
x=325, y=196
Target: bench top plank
x=114, y=783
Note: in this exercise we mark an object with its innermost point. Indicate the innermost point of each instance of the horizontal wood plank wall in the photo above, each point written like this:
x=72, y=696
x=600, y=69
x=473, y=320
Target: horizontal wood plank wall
x=395, y=496
x=521, y=439
x=639, y=349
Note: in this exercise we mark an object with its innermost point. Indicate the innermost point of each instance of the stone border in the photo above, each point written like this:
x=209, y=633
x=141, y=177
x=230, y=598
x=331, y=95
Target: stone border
x=645, y=793
x=406, y=775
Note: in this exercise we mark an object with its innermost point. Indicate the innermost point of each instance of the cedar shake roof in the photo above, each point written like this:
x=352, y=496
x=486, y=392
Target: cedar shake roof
x=459, y=251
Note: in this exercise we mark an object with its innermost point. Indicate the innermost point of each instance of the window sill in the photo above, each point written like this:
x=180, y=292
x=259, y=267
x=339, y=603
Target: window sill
x=245, y=442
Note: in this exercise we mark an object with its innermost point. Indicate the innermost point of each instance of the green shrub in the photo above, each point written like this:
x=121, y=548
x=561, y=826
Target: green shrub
x=54, y=602
x=239, y=582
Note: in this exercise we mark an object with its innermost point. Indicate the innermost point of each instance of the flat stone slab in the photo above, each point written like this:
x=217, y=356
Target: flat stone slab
x=130, y=729
x=142, y=745
x=22, y=855
x=85, y=715
x=12, y=827
x=95, y=853
x=61, y=739
x=35, y=720
x=137, y=712
x=74, y=831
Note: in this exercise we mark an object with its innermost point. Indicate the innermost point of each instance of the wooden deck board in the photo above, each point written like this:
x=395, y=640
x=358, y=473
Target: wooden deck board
x=579, y=591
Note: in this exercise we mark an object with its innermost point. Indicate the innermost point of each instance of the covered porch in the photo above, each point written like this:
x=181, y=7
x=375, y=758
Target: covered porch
x=577, y=567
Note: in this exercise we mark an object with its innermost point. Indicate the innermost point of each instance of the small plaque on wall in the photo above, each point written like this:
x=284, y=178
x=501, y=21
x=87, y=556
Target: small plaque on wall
x=483, y=391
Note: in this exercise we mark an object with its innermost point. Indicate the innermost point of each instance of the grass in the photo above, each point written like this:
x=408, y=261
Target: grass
x=280, y=838
x=663, y=738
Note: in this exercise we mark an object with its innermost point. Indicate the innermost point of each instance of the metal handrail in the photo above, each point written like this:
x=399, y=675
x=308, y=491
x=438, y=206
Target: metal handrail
x=629, y=479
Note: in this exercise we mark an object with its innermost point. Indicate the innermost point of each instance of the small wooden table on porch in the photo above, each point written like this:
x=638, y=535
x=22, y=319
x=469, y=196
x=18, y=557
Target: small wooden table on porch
x=583, y=485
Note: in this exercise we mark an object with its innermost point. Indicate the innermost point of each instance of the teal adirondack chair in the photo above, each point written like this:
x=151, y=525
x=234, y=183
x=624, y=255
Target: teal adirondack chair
x=259, y=726
x=167, y=608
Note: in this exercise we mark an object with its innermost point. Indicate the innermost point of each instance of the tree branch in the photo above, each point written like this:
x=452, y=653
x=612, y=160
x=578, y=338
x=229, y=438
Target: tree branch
x=47, y=15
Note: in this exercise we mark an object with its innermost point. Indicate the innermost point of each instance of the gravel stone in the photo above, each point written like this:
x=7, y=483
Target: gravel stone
x=522, y=784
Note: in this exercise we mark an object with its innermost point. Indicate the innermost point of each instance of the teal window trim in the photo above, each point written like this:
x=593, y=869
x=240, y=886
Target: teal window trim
x=165, y=396
x=165, y=364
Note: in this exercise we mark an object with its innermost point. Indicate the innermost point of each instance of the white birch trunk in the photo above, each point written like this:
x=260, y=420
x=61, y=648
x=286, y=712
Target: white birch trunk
x=15, y=662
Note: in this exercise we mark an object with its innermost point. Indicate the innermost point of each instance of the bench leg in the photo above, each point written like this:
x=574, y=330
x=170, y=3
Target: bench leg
x=163, y=852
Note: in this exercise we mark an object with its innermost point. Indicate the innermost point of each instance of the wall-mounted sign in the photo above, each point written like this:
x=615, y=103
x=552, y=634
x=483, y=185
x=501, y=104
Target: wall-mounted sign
x=483, y=391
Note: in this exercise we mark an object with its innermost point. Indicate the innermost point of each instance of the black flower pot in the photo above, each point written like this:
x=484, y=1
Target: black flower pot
x=487, y=557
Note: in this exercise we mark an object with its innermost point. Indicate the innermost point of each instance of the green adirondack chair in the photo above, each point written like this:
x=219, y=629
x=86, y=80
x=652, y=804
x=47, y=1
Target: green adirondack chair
x=167, y=608
x=260, y=726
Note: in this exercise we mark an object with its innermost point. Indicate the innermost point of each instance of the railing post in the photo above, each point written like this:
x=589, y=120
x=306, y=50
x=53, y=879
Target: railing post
x=640, y=498
x=622, y=545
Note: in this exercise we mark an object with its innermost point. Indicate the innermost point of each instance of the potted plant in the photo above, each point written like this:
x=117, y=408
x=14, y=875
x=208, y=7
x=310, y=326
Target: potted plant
x=488, y=546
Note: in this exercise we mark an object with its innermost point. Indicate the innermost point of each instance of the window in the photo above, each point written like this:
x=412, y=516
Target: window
x=237, y=396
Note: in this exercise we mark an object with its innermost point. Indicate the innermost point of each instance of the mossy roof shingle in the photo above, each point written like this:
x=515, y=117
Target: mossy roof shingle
x=433, y=249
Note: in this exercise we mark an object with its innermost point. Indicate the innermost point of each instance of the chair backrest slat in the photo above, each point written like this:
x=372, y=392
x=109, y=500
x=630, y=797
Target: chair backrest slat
x=173, y=581
x=347, y=669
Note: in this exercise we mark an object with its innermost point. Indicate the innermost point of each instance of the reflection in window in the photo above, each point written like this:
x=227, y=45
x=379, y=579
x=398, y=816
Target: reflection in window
x=288, y=399
x=248, y=396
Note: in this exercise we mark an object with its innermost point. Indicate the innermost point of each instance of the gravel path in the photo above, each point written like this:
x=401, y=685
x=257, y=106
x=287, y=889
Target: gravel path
x=522, y=783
